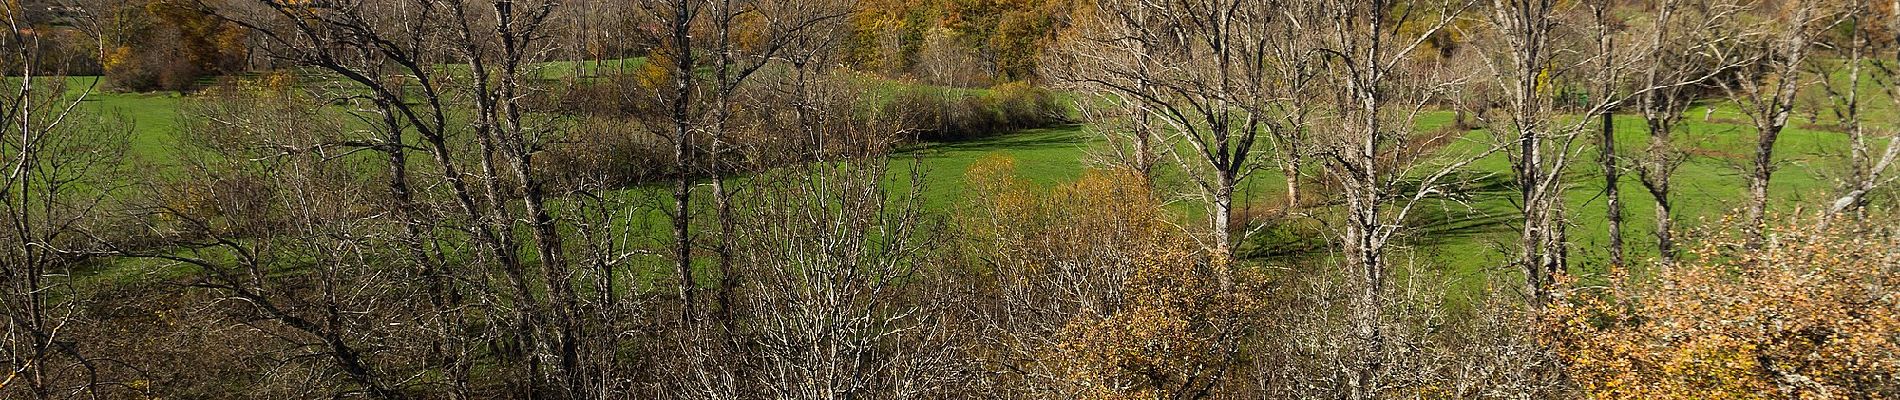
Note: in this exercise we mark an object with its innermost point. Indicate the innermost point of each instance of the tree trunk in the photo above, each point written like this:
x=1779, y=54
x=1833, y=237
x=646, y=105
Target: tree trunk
x=722, y=196
x=1654, y=174
x=1368, y=335
x=683, y=156
x=1291, y=172
x=1530, y=235
x=1366, y=248
x=1223, y=227
x=1613, y=197
x=1665, y=225
x=1762, y=170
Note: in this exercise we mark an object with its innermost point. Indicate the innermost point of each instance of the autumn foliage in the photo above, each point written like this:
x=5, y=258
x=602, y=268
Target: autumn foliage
x=170, y=45
x=1102, y=298
x=1813, y=315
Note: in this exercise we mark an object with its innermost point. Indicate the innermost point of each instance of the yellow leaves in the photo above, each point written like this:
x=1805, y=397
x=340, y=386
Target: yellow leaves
x=272, y=85
x=749, y=30
x=655, y=73
x=1170, y=336
x=1813, y=315
x=116, y=57
x=1102, y=212
x=992, y=181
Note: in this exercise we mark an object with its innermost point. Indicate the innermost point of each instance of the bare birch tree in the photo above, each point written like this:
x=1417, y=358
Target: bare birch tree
x=1375, y=89
x=1542, y=141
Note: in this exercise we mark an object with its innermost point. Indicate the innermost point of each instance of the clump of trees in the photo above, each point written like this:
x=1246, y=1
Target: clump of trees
x=163, y=44
x=961, y=43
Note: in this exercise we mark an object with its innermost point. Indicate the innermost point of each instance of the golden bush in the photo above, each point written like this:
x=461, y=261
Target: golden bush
x=1814, y=315
x=1108, y=300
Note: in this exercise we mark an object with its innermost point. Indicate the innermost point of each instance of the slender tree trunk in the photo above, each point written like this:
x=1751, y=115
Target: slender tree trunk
x=683, y=156
x=1290, y=170
x=1366, y=304
x=1860, y=163
x=1531, y=236
x=1366, y=246
x=1771, y=116
x=722, y=196
x=1144, y=148
x=548, y=243
x=1223, y=228
x=1541, y=156
x=1655, y=174
x=1665, y=225
x=1612, y=193
x=1661, y=110
x=722, y=202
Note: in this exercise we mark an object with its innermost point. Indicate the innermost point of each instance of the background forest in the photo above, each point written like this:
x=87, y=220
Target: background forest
x=1024, y=199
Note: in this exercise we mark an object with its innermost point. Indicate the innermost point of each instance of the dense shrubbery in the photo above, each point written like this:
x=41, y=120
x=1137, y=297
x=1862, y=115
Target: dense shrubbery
x=983, y=40
x=1814, y=315
x=618, y=143
x=607, y=151
x=939, y=115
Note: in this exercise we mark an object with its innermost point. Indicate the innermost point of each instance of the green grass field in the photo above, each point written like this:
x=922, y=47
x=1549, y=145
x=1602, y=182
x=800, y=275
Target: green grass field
x=1467, y=239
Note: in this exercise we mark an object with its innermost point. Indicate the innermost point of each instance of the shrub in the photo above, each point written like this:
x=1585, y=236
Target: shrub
x=1816, y=314
x=605, y=151
x=1115, y=302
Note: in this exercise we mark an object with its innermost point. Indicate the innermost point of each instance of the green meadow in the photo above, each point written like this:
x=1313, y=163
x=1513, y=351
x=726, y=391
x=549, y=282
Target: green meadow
x=1466, y=238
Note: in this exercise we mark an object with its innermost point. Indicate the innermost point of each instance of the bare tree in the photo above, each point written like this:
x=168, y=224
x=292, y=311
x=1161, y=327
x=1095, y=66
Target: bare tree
x=477, y=181
x=784, y=23
x=1686, y=44
x=1766, y=88
x=831, y=255
x=1542, y=142
x=59, y=168
x=1866, y=170
x=677, y=47
x=1376, y=90
x=1540, y=148
x=263, y=199
x=1198, y=71
x=1607, y=158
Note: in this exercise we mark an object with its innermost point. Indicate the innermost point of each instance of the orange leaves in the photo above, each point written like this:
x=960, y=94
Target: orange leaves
x=1816, y=314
